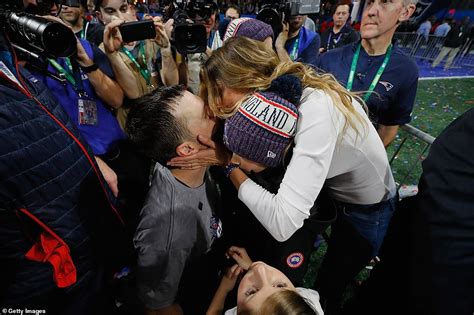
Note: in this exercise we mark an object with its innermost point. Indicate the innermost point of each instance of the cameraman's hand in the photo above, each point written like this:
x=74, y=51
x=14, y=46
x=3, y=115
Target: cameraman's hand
x=282, y=37
x=112, y=37
x=82, y=57
x=169, y=26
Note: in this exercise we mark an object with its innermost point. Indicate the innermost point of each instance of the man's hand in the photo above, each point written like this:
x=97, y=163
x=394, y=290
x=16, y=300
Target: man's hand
x=112, y=37
x=109, y=175
x=82, y=57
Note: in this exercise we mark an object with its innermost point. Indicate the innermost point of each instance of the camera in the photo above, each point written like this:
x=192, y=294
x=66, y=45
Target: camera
x=189, y=33
x=35, y=35
x=276, y=12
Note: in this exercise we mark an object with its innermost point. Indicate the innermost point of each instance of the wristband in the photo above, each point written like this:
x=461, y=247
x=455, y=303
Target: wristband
x=93, y=67
x=229, y=168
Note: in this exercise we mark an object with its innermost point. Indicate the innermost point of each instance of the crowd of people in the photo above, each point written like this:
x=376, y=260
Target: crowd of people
x=140, y=180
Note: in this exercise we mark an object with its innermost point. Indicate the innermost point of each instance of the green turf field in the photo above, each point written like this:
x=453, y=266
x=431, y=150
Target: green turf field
x=438, y=103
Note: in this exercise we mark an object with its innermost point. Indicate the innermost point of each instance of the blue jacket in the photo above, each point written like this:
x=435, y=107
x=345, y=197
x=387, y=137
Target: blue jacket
x=50, y=189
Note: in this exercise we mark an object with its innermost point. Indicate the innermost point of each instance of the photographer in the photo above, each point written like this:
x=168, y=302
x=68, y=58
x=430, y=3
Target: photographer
x=135, y=64
x=53, y=197
x=73, y=14
x=296, y=43
x=196, y=60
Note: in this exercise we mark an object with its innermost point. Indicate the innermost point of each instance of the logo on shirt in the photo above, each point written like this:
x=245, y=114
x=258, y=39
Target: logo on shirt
x=295, y=260
x=388, y=86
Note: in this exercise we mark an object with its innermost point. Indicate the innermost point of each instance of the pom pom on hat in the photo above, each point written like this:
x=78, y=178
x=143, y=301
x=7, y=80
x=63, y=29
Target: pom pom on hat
x=248, y=27
x=262, y=129
x=287, y=86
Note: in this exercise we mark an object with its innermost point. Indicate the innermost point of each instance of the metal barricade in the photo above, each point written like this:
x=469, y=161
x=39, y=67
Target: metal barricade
x=408, y=151
x=429, y=48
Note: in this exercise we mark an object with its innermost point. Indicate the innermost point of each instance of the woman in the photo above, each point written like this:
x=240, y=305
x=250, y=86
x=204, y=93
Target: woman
x=335, y=144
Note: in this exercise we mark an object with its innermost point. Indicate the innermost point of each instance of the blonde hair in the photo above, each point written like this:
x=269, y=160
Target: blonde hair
x=284, y=302
x=248, y=65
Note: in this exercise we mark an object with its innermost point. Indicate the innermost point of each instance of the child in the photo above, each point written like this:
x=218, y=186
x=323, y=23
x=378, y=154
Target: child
x=262, y=290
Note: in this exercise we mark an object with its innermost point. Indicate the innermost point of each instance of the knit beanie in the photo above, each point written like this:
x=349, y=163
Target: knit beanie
x=265, y=123
x=248, y=27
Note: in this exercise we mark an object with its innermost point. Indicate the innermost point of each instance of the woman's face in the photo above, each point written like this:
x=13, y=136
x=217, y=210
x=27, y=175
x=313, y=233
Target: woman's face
x=231, y=96
x=258, y=284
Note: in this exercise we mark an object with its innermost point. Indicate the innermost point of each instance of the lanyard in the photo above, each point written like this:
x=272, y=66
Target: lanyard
x=85, y=26
x=294, y=51
x=376, y=79
x=143, y=71
x=73, y=77
x=330, y=38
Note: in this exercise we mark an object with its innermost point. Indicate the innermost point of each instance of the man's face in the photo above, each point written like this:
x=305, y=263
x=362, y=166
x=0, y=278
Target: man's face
x=382, y=16
x=115, y=9
x=231, y=14
x=341, y=15
x=296, y=22
x=71, y=14
x=210, y=23
x=191, y=109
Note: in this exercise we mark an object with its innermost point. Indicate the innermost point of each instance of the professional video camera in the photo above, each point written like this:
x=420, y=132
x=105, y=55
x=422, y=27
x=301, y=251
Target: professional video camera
x=34, y=35
x=274, y=12
x=189, y=33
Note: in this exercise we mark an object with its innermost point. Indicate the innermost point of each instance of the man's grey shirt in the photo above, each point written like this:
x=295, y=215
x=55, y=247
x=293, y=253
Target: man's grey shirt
x=174, y=228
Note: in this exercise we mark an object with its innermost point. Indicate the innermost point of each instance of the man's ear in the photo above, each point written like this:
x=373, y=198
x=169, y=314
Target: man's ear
x=407, y=12
x=98, y=14
x=187, y=148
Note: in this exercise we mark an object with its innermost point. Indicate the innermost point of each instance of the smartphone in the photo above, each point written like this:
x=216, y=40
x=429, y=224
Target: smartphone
x=138, y=30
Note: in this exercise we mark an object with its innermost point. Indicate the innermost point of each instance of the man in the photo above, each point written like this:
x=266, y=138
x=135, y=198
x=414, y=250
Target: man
x=53, y=201
x=453, y=41
x=177, y=223
x=87, y=94
x=424, y=29
x=135, y=64
x=73, y=13
x=443, y=29
x=232, y=12
x=195, y=61
x=296, y=43
x=379, y=67
x=340, y=34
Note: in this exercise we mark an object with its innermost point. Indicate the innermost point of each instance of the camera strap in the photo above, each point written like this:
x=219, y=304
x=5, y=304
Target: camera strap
x=141, y=54
x=350, y=79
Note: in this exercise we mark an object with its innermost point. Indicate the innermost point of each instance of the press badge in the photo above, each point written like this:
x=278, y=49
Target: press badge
x=87, y=112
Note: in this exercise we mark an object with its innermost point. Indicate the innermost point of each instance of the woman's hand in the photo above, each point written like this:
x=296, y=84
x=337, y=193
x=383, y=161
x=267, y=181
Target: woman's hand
x=213, y=154
x=240, y=255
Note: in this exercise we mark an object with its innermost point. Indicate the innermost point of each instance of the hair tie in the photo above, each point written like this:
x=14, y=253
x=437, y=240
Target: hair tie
x=287, y=86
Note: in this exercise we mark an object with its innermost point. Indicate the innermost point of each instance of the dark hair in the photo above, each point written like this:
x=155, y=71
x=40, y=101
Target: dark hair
x=98, y=4
x=152, y=125
x=235, y=7
x=343, y=2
